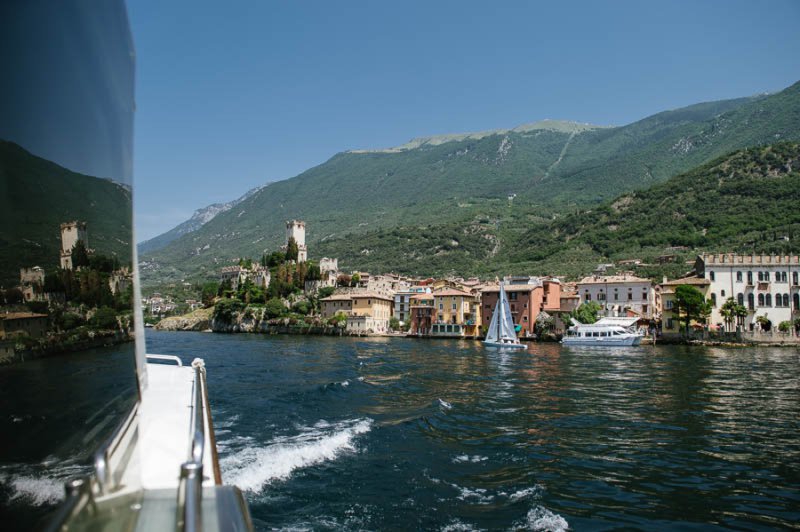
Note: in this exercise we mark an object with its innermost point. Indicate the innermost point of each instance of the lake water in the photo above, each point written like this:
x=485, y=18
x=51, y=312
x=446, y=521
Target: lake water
x=341, y=433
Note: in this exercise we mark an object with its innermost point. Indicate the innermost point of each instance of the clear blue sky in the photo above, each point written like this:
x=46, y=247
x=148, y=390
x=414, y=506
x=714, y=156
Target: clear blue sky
x=231, y=95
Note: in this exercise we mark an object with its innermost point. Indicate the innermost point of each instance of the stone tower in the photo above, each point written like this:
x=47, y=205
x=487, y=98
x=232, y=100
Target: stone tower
x=71, y=233
x=297, y=229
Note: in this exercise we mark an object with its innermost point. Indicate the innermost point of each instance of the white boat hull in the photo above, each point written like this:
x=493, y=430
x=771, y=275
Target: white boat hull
x=509, y=346
x=610, y=341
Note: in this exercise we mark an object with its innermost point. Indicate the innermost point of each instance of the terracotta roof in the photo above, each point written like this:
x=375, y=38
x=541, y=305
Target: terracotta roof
x=693, y=280
x=447, y=292
x=21, y=315
x=370, y=295
x=513, y=288
x=608, y=279
x=422, y=296
x=337, y=297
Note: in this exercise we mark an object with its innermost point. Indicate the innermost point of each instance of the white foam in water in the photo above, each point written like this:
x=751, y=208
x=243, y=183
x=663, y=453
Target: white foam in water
x=542, y=519
x=444, y=404
x=36, y=485
x=458, y=526
x=466, y=458
x=527, y=493
x=253, y=467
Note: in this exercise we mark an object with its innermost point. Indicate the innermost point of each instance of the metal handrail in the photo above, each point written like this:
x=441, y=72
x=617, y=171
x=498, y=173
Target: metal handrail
x=172, y=358
x=102, y=458
x=190, y=496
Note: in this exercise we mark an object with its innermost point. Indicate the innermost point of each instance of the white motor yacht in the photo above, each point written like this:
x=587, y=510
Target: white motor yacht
x=605, y=332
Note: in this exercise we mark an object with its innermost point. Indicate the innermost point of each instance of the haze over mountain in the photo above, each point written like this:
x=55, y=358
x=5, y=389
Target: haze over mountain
x=462, y=202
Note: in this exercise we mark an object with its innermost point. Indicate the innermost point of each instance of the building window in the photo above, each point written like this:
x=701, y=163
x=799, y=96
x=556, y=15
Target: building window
x=713, y=299
x=670, y=325
x=751, y=301
x=711, y=275
x=722, y=293
x=525, y=318
x=487, y=305
x=750, y=278
x=512, y=296
x=454, y=306
x=760, y=300
x=630, y=296
x=768, y=299
x=588, y=297
x=441, y=306
x=668, y=305
x=601, y=296
x=796, y=299
x=740, y=299
x=738, y=277
x=794, y=278
x=785, y=300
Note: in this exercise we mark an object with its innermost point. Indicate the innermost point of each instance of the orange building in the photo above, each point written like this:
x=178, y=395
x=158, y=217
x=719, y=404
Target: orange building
x=527, y=297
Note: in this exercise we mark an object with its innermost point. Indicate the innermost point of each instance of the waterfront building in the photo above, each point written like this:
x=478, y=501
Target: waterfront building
x=527, y=297
x=71, y=234
x=7, y=351
x=20, y=324
x=422, y=314
x=670, y=321
x=457, y=313
x=619, y=295
x=335, y=303
x=767, y=285
x=370, y=313
x=402, y=302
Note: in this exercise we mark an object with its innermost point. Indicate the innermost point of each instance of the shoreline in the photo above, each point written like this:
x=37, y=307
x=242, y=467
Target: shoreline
x=313, y=330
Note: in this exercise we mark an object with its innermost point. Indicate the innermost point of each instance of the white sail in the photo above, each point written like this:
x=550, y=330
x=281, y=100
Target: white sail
x=501, y=329
x=507, y=325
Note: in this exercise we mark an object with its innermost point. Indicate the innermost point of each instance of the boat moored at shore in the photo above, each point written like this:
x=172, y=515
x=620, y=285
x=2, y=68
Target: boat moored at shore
x=605, y=332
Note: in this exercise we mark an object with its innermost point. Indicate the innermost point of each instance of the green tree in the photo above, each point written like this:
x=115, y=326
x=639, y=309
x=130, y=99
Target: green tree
x=209, y=292
x=104, y=318
x=690, y=305
x=355, y=279
x=326, y=291
x=274, y=308
x=291, y=249
x=80, y=255
x=302, y=307
x=394, y=323
x=226, y=308
x=764, y=322
x=728, y=311
x=587, y=312
x=785, y=326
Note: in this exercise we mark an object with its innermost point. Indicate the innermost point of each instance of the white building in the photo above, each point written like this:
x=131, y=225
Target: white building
x=237, y=275
x=767, y=285
x=402, y=301
x=619, y=294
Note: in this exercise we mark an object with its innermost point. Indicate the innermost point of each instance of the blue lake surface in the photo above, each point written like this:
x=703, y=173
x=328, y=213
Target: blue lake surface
x=389, y=433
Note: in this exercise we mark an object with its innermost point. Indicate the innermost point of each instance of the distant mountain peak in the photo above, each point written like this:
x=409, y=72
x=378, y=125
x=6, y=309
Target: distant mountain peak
x=561, y=126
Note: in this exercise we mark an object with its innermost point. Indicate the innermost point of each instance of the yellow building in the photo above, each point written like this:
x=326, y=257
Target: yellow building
x=370, y=313
x=670, y=321
x=457, y=313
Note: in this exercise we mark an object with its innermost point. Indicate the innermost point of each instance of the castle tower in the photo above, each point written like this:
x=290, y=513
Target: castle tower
x=71, y=233
x=297, y=229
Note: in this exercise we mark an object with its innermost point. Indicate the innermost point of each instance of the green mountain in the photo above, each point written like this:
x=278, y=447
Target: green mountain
x=37, y=195
x=462, y=202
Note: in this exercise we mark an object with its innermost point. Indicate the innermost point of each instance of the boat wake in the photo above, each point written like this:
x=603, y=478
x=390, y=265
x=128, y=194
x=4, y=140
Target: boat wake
x=37, y=484
x=252, y=468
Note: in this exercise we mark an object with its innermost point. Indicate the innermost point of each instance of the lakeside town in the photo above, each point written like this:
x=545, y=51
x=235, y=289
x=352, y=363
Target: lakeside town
x=724, y=296
x=85, y=301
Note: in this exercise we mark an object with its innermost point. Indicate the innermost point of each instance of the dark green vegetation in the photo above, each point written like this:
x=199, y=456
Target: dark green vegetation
x=36, y=196
x=436, y=208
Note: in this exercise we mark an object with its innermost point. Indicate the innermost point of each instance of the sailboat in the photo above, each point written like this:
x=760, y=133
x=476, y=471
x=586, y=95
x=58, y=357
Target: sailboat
x=501, y=329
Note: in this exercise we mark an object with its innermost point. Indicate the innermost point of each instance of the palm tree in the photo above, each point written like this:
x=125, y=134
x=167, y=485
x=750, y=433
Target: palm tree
x=741, y=313
x=728, y=311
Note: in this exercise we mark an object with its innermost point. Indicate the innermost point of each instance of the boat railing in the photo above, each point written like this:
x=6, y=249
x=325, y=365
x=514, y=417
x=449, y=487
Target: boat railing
x=190, y=492
x=112, y=457
x=171, y=358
